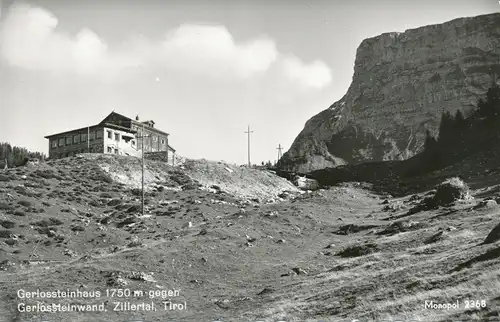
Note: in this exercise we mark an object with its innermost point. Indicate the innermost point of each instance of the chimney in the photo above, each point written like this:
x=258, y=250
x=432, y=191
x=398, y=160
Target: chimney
x=137, y=117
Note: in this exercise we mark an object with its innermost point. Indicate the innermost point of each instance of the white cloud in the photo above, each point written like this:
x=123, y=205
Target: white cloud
x=29, y=39
x=212, y=50
x=314, y=75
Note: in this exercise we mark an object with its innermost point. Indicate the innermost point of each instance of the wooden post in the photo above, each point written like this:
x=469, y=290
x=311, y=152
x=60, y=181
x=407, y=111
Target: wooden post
x=167, y=148
x=142, y=136
x=248, y=132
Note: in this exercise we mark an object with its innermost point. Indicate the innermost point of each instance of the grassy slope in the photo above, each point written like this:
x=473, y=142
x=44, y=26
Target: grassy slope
x=236, y=248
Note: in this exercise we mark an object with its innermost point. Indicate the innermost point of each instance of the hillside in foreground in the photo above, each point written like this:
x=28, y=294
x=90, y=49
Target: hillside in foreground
x=239, y=245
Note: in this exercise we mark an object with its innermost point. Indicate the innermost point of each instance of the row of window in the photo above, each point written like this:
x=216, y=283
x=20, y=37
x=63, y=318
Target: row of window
x=110, y=135
x=75, y=152
x=76, y=139
x=117, y=136
x=110, y=150
x=82, y=138
x=153, y=137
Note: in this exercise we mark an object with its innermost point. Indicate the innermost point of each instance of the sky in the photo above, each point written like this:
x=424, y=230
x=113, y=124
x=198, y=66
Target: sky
x=203, y=70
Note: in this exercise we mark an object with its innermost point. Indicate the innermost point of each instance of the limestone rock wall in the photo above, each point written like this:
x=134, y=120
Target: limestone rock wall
x=402, y=83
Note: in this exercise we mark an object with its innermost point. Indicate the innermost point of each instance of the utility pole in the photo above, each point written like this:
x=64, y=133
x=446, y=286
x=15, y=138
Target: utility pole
x=142, y=166
x=248, y=132
x=279, y=148
x=166, y=152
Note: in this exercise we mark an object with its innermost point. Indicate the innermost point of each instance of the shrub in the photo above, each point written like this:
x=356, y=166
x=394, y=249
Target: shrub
x=136, y=192
x=50, y=232
x=4, y=206
x=47, y=174
x=358, y=250
x=77, y=228
x=7, y=224
x=103, y=178
x=23, y=191
x=401, y=226
x=5, y=233
x=25, y=203
x=46, y=223
x=114, y=202
x=134, y=208
x=451, y=190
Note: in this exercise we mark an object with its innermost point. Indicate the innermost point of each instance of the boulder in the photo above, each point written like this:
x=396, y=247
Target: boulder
x=486, y=204
x=306, y=183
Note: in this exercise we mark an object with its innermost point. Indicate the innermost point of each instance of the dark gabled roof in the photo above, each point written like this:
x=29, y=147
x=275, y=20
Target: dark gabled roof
x=70, y=131
x=117, y=114
x=150, y=128
x=109, y=125
x=140, y=123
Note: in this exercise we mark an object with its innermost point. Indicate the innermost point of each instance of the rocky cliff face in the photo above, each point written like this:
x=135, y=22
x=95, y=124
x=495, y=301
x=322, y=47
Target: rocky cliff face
x=402, y=83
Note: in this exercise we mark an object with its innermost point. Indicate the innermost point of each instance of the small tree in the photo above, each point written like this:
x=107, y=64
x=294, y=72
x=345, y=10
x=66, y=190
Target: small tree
x=430, y=144
x=490, y=107
x=459, y=117
x=446, y=129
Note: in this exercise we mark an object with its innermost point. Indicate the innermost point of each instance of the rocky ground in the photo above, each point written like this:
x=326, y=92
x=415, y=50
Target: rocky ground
x=238, y=244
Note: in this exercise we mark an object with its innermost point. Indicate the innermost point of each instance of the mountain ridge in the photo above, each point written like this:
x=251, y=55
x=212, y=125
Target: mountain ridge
x=402, y=83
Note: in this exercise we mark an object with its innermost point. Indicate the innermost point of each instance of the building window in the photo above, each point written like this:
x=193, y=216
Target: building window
x=92, y=136
x=117, y=136
x=84, y=137
x=162, y=141
x=68, y=140
x=155, y=138
x=76, y=138
x=109, y=135
x=116, y=151
x=110, y=149
x=61, y=142
x=98, y=134
x=54, y=143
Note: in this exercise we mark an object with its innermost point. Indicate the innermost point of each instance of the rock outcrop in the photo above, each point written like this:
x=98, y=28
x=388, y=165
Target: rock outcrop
x=402, y=84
